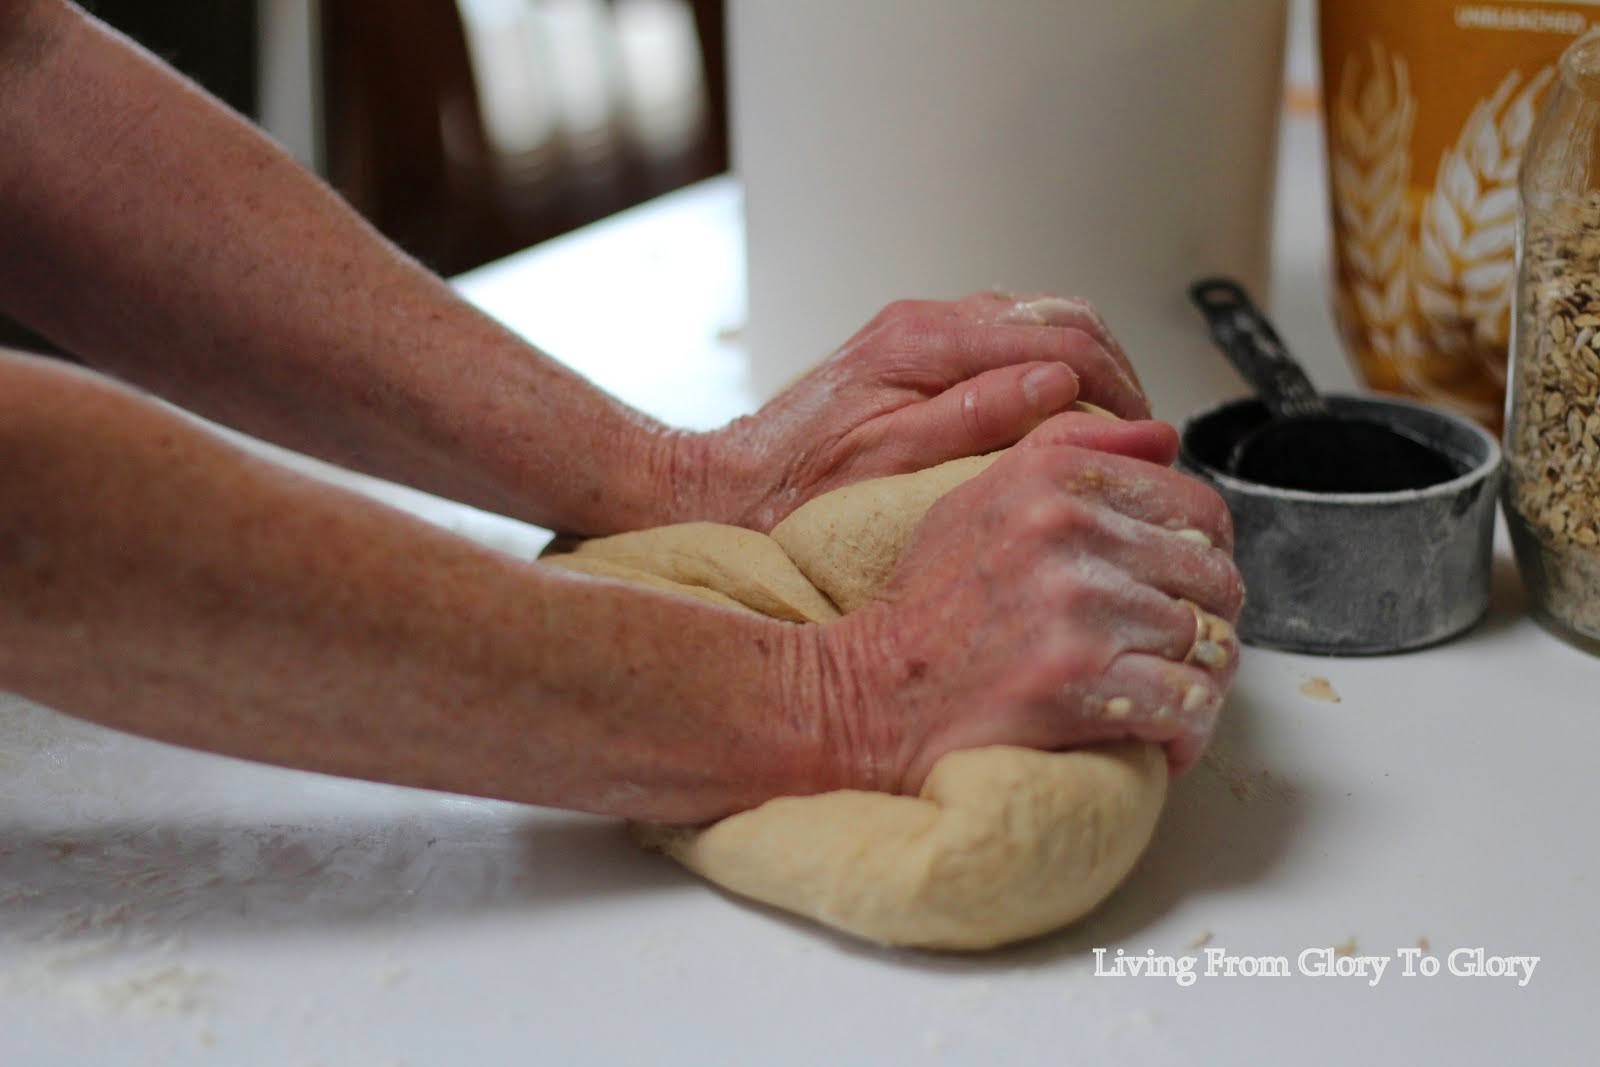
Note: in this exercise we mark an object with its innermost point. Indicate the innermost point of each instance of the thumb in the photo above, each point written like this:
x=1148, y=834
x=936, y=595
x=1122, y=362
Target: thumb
x=986, y=412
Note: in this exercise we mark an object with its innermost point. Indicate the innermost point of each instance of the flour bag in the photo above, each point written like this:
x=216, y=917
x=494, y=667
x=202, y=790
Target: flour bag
x=1428, y=107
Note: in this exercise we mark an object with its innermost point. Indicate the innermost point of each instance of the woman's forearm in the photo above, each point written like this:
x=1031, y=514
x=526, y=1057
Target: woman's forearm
x=160, y=237
x=156, y=579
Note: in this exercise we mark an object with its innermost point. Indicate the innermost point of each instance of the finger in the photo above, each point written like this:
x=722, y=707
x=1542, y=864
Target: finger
x=1175, y=565
x=1047, y=309
x=1134, y=485
x=1149, y=590
x=952, y=350
x=1106, y=379
x=1153, y=699
x=990, y=411
x=1107, y=606
x=1150, y=441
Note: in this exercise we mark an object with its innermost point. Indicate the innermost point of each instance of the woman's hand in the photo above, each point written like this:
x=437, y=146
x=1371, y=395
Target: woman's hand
x=1077, y=591
x=922, y=383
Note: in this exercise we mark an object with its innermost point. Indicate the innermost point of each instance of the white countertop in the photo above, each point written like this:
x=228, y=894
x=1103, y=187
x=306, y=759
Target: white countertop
x=165, y=907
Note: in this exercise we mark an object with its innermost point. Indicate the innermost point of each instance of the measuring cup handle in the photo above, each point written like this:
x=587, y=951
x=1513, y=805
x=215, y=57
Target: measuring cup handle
x=1254, y=349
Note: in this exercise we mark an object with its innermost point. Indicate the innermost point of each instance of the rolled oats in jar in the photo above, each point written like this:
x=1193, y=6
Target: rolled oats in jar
x=1553, y=408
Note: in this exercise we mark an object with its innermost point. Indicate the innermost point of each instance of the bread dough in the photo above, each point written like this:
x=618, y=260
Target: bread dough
x=733, y=563
x=1001, y=844
x=847, y=541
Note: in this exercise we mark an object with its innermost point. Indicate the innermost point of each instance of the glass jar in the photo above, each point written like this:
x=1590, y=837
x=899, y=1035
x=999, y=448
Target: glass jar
x=1552, y=499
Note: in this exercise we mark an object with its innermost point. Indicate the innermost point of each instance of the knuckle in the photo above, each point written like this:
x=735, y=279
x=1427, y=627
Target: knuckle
x=983, y=298
x=897, y=310
x=1233, y=593
x=1075, y=664
x=1094, y=323
x=1075, y=311
x=909, y=332
x=1039, y=517
x=1033, y=464
x=1209, y=512
x=1052, y=517
x=1210, y=502
x=1078, y=520
x=1080, y=345
x=1199, y=700
x=1224, y=521
x=1220, y=518
x=974, y=418
x=1073, y=593
x=1085, y=600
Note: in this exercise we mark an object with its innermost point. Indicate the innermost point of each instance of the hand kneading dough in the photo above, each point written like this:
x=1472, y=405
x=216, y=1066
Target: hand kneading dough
x=1002, y=844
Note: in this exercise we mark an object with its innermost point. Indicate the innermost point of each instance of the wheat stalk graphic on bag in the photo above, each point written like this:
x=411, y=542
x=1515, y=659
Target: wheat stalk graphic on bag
x=1466, y=240
x=1429, y=290
x=1370, y=172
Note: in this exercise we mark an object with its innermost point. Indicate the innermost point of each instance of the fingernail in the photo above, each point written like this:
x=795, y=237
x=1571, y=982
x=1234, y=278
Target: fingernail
x=1049, y=388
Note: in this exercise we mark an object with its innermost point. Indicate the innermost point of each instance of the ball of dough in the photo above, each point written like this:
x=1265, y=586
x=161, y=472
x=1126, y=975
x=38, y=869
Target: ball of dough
x=1002, y=843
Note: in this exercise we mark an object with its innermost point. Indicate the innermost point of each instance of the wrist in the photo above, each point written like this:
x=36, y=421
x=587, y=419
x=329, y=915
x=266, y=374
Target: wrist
x=839, y=688
x=677, y=475
x=711, y=477
x=809, y=707
x=637, y=474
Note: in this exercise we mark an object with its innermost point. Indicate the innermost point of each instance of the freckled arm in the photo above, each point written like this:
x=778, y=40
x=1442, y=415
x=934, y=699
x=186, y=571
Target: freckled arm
x=156, y=579
x=161, y=238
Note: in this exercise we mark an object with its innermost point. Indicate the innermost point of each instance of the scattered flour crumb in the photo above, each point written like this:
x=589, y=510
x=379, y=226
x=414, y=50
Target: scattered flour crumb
x=1424, y=944
x=1347, y=947
x=166, y=991
x=1202, y=941
x=1142, y=1019
x=390, y=977
x=1319, y=688
x=1245, y=782
x=117, y=976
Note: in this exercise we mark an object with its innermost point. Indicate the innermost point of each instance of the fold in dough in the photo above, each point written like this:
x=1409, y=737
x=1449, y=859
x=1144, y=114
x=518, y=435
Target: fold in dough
x=729, y=562
x=1002, y=843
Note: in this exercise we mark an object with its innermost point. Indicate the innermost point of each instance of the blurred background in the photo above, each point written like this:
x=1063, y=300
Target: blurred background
x=464, y=129
x=468, y=129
